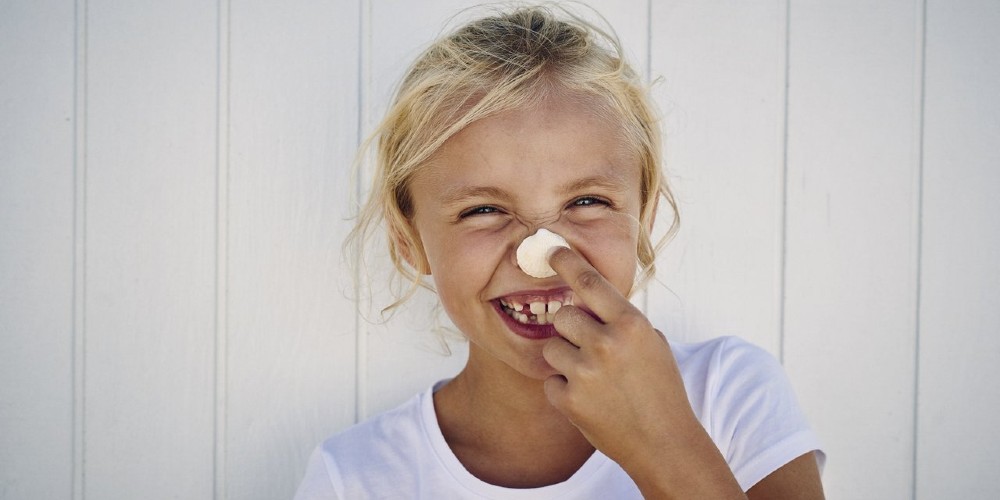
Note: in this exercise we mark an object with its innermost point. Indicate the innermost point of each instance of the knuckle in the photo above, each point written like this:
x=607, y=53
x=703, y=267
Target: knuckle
x=633, y=320
x=551, y=386
x=589, y=373
x=555, y=390
x=589, y=279
x=570, y=403
x=603, y=346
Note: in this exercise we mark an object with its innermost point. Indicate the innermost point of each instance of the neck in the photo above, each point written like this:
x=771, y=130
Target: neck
x=501, y=426
x=500, y=396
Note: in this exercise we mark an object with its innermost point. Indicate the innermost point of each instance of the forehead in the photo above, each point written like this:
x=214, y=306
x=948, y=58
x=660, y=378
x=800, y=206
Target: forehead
x=558, y=141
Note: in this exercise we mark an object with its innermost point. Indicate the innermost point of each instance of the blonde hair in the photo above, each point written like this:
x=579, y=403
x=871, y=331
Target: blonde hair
x=502, y=62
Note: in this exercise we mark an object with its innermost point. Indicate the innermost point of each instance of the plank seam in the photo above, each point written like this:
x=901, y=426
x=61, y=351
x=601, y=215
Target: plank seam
x=783, y=256
x=79, y=278
x=221, y=246
x=360, y=337
x=922, y=79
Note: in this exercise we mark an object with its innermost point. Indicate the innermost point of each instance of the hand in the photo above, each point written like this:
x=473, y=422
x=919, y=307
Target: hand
x=618, y=379
x=619, y=384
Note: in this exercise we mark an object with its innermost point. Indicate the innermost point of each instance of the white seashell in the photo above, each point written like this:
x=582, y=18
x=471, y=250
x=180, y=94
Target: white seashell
x=532, y=252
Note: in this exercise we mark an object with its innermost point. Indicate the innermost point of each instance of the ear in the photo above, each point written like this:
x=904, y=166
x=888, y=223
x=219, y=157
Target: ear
x=410, y=248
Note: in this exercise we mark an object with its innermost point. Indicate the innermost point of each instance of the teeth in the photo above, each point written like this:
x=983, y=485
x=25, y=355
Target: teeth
x=536, y=313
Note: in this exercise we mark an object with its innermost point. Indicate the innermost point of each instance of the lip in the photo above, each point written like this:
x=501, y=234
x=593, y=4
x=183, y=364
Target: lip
x=528, y=331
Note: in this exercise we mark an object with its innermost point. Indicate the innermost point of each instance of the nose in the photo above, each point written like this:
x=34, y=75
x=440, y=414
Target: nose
x=529, y=225
x=529, y=255
x=535, y=221
x=520, y=235
x=533, y=251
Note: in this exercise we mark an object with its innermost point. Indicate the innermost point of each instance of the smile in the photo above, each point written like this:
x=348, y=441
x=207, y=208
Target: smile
x=535, y=309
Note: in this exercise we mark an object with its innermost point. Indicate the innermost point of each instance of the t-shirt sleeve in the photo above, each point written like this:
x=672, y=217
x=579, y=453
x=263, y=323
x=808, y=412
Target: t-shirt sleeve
x=317, y=483
x=757, y=418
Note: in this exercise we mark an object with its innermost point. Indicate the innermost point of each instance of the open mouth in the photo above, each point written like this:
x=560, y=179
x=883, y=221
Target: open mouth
x=534, y=309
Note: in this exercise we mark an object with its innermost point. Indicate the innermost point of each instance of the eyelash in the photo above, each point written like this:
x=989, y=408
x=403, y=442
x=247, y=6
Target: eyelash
x=592, y=201
x=479, y=211
x=578, y=202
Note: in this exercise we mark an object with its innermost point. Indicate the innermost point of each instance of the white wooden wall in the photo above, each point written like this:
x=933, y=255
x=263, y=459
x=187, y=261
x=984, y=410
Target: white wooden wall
x=176, y=316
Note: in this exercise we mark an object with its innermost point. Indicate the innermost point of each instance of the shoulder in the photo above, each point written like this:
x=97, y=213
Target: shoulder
x=387, y=431
x=711, y=365
x=400, y=422
x=368, y=456
x=743, y=398
x=728, y=377
x=717, y=348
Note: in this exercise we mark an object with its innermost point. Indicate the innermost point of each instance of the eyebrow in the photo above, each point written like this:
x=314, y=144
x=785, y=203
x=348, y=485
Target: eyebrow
x=458, y=195
x=611, y=182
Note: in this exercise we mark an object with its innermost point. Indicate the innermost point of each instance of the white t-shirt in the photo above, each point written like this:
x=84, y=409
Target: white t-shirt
x=738, y=392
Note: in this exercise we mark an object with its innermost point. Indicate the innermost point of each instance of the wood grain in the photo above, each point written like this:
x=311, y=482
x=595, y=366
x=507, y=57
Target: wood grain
x=851, y=271
x=960, y=271
x=150, y=291
x=722, y=96
x=291, y=322
x=177, y=319
x=37, y=244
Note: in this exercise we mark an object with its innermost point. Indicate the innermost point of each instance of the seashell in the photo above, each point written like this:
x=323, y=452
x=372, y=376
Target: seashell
x=533, y=250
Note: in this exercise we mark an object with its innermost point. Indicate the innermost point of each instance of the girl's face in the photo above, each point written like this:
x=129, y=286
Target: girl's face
x=557, y=165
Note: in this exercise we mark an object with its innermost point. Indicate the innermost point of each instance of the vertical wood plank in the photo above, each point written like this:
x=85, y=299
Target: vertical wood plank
x=293, y=134
x=722, y=96
x=853, y=143
x=36, y=249
x=220, y=452
x=400, y=356
x=403, y=355
x=960, y=273
x=150, y=249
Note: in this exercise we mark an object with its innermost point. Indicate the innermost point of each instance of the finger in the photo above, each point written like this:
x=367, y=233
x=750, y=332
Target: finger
x=561, y=355
x=575, y=325
x=597, y=293
x=662, y=336
x=556, y=389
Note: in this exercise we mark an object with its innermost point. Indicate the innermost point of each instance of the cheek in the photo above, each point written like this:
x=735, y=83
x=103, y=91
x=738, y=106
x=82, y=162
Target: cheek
x=462, y=266
x=463, y=259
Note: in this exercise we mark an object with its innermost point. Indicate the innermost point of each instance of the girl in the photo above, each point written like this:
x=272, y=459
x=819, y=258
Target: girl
x=516, y=122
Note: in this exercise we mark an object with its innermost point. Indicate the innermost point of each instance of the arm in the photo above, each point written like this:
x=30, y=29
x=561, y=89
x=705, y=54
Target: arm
x=798, y=479
x=620, y=385
x=316, y=485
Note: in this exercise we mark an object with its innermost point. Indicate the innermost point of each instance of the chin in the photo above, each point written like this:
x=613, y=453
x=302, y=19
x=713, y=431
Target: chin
x=537, y=369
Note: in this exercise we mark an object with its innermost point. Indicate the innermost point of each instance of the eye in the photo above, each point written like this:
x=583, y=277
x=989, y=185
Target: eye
x=587, y=201
x=481, y=210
